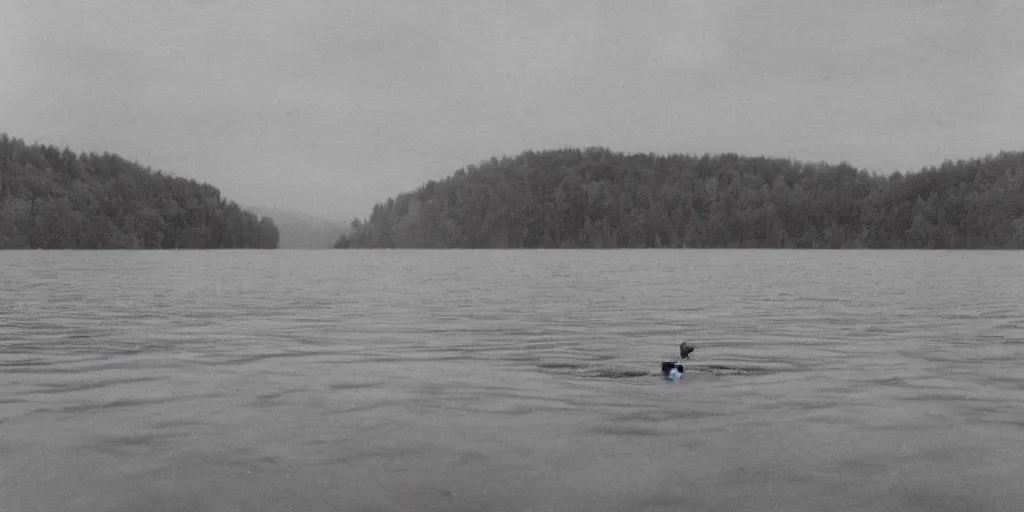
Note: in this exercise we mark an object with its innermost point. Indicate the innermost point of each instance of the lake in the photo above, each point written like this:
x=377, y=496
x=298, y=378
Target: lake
x=511, y=380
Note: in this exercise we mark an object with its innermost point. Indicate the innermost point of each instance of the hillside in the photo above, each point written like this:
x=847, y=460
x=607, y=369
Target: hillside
x=54, y=199
x=301, y=231
x=573, y=198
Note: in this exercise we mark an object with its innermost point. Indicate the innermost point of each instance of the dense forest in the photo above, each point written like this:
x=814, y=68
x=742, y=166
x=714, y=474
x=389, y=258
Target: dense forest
x=54, y=199
x=596, y=198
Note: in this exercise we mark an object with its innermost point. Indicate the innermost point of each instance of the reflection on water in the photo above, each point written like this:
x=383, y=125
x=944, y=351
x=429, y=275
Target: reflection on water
x=511, y=380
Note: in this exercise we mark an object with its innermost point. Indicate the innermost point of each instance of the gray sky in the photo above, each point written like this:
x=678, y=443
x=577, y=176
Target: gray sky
x=328, y=106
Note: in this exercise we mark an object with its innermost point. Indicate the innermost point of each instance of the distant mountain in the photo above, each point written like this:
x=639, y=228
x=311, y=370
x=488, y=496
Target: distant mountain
x=303, y=231
x=598, y=198
x=53, y=198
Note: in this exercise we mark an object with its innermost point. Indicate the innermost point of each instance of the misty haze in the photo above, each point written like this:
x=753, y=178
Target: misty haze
x=706, y=255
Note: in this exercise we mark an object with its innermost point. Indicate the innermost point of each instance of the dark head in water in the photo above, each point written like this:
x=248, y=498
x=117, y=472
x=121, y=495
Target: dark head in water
x=685, y=349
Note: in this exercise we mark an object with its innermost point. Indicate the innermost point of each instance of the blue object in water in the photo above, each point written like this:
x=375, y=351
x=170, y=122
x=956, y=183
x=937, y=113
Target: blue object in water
x=672, y=370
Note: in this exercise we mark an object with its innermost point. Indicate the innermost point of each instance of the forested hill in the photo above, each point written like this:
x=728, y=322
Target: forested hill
x=54, y=199
x=598, y=198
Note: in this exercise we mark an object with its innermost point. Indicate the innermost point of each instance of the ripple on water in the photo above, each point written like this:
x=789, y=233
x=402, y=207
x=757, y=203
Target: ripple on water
x=448, y=380
x=594, y=371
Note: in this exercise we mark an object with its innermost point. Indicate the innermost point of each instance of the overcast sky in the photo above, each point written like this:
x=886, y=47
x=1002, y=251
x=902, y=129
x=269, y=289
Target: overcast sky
x=328, y=106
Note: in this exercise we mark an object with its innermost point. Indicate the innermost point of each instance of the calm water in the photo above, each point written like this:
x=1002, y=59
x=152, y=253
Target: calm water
x=511, y=381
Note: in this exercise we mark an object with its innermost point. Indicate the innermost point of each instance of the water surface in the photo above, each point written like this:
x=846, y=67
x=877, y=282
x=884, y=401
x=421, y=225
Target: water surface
x=511, y=380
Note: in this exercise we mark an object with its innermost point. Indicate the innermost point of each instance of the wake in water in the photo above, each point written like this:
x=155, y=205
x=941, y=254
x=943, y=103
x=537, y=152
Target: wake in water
x=604, y=372
x=665, y=372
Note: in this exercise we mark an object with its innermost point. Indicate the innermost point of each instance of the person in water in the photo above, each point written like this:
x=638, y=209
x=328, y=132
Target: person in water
x=684, y=350
x=673, y=369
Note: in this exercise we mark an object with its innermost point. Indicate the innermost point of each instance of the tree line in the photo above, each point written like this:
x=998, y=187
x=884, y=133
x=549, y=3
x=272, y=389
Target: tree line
x=52, y=198
x=597, y=198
